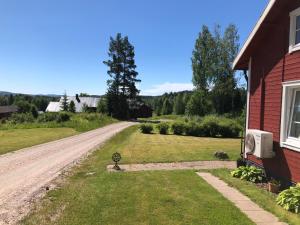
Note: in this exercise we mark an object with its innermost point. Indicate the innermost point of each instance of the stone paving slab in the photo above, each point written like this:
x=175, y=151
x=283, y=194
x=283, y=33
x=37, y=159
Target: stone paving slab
x=258, y=215
x=197, y=165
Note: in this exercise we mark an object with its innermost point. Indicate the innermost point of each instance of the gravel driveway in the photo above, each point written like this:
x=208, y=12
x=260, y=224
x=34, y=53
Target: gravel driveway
x=25, y=173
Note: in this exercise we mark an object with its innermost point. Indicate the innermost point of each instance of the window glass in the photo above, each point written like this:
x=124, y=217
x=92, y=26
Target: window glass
x=297, y=22
x=295, y=123
x=297, y=31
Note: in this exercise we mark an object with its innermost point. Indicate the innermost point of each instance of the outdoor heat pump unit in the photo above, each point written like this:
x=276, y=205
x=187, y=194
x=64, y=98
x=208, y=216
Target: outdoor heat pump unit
x=259, y=143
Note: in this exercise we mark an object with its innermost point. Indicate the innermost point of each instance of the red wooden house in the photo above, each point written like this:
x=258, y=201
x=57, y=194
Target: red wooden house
x=271, y=57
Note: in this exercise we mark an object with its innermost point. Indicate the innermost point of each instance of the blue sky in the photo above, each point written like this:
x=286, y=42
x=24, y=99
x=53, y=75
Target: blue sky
x=47, y=47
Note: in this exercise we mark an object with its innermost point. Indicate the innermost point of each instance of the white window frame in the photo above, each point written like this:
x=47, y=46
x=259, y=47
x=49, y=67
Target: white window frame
x=288, y=99
x=293, y=16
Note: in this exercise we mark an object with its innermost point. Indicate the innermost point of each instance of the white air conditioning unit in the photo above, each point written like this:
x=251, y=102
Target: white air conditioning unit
x=259, y=143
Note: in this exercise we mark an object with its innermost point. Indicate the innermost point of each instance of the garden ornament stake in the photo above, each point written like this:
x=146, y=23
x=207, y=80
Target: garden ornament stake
x=116, y=157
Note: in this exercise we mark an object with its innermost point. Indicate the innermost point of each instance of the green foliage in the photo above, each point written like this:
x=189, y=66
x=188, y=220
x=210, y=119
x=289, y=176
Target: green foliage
x=123, y=76
x=47, y=117
x=24, y=106
x=146, y=128
x=229, y=128
x=54, y=117
x=198, y=104
x=290, y=199
x=34, y=111
x=167, y=107
x=79, y=121
x=163, y=128
x=178, y=128
x=212, y=58
x=21, y=118
x=203, y=59
x=179, y=105
x=72, y=107
x=211, y=126
x=64, y=103
x=248, y=173
x=194, y=129
x=102, y=106
x=23, y=101
x=63, y=117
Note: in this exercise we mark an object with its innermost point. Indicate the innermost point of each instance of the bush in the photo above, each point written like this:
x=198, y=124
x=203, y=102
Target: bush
x=163, y=128
x=178, y=128
x=47, y=117
x=194, y=129
x=229, y=128
x=63, y=117
x=211, y=126
x=21, y=118
x=290, y=199
x=249, y=173
x=146, y=128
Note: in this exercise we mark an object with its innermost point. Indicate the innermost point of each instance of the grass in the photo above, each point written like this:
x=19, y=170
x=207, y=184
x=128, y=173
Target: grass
x=161, y=197
x=165, y=117
x=145, y=148
x=21, y=135
x=14, y=139
x=262, y=197
x=81, y=122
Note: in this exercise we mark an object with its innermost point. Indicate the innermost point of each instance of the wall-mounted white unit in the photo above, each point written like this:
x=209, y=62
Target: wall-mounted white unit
x=259, y=143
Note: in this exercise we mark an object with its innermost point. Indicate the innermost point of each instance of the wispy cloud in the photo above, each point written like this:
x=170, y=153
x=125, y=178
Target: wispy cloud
x=160, y=89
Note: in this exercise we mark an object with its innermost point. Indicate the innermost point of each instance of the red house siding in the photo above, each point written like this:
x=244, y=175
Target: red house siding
x=271, y=65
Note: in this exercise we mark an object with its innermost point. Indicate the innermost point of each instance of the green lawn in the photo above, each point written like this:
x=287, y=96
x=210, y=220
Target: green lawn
x=262, y=197
x=15, y=139
x=93, y=196
x=171, y=148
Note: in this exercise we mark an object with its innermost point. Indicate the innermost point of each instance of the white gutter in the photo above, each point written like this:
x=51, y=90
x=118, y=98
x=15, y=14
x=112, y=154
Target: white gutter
x=254, y=31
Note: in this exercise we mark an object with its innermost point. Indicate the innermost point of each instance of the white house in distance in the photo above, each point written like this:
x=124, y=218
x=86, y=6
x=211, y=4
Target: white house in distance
x=80, y=102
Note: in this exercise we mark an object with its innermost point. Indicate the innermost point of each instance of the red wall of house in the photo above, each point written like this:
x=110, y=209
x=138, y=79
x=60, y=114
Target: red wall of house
x=271, y=65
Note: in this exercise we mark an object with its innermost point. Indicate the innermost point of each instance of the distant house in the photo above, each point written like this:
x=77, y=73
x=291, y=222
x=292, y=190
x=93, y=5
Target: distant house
x=271, y=55
x=80, y=103
x=6, y=111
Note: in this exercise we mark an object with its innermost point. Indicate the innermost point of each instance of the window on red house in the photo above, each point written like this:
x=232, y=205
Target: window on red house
x=295, y=122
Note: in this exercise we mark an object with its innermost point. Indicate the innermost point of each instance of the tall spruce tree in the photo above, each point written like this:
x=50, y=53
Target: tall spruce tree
x=72, y=107
x=64, y=104
x=123, y=76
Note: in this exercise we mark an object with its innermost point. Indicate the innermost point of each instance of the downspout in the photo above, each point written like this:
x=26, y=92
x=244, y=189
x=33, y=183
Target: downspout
x=246, y=110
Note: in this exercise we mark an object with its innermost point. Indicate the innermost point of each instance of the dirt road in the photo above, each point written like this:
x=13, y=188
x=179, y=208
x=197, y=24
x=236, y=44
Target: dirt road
x=25, y=173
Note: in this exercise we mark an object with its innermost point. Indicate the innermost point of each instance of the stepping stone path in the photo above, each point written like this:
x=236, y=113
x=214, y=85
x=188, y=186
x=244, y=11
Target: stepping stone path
x=198, y=165
x=258, y=215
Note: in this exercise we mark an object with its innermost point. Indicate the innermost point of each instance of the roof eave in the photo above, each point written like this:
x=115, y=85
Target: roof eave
x=236, y=63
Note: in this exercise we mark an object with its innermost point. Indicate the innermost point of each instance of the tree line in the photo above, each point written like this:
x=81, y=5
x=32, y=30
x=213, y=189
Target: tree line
x=27, y=103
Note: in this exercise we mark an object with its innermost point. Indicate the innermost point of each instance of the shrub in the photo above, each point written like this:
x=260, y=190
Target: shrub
x=290, y=199
x=146, y=128
x=163, y=128
x=178, y=128
x=229, y=128
x=21, y=118
x=194, y=129
x=47, y=117
x=249, y=173
x=63, y=117
x=211, y=126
